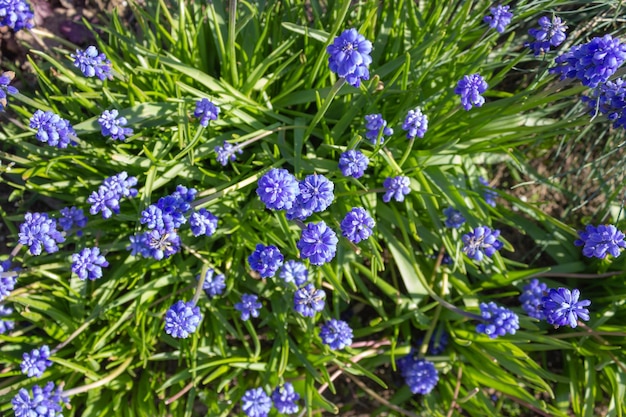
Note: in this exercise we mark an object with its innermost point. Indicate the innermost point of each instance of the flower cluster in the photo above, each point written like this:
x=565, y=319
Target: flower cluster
x=182, y=319
x=499, y=19
x=256, y=403
x=39, y=230
x=16, y=14
x=600, y=241
x=7, y=283
x=36, y=362
x=213, y=284
x=92, y=63
x=551, y=32
x=113, y=189
x=357, y=225
x=532, y=299
x=497, y=320
x=415, y=124
x=318, y=243
x=294, y=271
x=227, y=152
x=419, y=374
x=44, y=402
x=316, y=194
x=248, y=306
x=72, y=216
x=112, y=124
x=266, y=260
x=609, y=99
x=285, y=399
x=376, y=126
x=480, y=242
x=278, y=189
x=5, y=88
x=206, y=111
x=397, y=188
x=203, y=222
x=454, y=218
x=353, y=164
x=52, y=129
x=470, y=88
x=337, y=334
x=562, y=308
x=308, y=300
x=350, y=57
x=6, y=325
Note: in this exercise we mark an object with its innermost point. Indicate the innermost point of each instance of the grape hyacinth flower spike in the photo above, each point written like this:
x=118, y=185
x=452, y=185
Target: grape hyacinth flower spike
x=470, y=88
x=206, y=111
x=562, y=307
x=112, y=125
x=499, y=19
x=256, y=403
x=44, y=402
x=182, y=319
x=396, y=188
x=227, y=153
x=248, y=306
x=52, y=129
x=376, y=125
x=497, y=320
x=357, y=225
x=353, y=164
x=16, y=14
x=88, y=263
x=278, y=189
x=480, y=242
x=5, y=88
x=39, y=230
x=454, y=218
x=350, y=57
x=92, y=63
x=551, y=33
x=266, y=260
x=294, y=271
x=285, y=399
x=420, y=375
x=532, y=299
x=308, y=300
x=35, y=363
x=599, y=241
x=337, y=334
x=415, y=124
x=214, y=284
x=318, y=243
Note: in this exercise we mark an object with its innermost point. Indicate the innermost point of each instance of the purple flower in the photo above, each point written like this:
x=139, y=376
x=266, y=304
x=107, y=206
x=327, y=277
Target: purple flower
x=88, y=263
x=420, y=375
x=550, y=33
x=206, y=111
x=37, y=231
x=162, y=244
x=266, y=260
x=71, y=216
x=226, y=153
x=488, y=194
x=182, y=319
x=480, y=242
x=470, y=88
x=609, y=99
x=353, y=164
x=497, y=320
x=8, y=280
x=454, y=218
x=52, y=129
x=203, y=222
x=600, y=241
x=16, y=14
x=308, y=300
x=248, y=306
x=376, y=125
x=294, y=271
x=531, y=299
x=92, y=63
x=113, y=126
x=316, y=193
x=6, y=325
x=213, y=285
x=113, y=189
x=397, y=188
x=256, y=403
x=500, y=18
x=278, y=189
x=336, y=333
x=36, y=362
x=357, y=225
x=593, y=63
x=562, y=308
x=139, y=245
x=5, y=88
x=45, y=402
x=318, y=243
x=285, y=399
x=350, y=57
x=415, y=124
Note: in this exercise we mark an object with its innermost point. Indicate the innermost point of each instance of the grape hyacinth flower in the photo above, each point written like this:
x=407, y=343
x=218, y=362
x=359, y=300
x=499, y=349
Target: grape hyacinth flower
x=316, y=193
x=182, y=319
x=562, y=308
x=499, y=19
x=113, y=189
x=88, y=263
x=278, y=189
x=532, y=299
x=5, y=88
x=52, y=129
x=420, y=375
x=36, y=362
x=376, y=125
x=437, y=343
x=266, y=260
x=551, y=32
x=113, y=126
x=480, y=242
x=16, y=14
x=6, y=325
x=337, y=334
x=248, y=306
x=8, y=279
x=226, y=153
x=488, y=194
x=609, y=99
x=162, y=244
x=593, y=63
x=44, y=402
x=498, y=320
x=600, y=241
x=139, y=245
x=206, y=111
x=92, y=63
x=470, y=88
x=213, y=285
x=318, y=243
x=71, y=216
x=285, y=399
x=357, y=225
x=37, y=231
x=454, y=218
x=168, y=214
x=203, y=222
x=256, y=403
x=397, y=188
x=294, y=271
x=350, y=57
x=353, y=164
x=308, y=300
x=415, y=123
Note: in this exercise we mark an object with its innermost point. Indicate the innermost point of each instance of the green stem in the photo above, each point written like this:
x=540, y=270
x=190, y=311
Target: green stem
x=101, y=382
x=232, y=19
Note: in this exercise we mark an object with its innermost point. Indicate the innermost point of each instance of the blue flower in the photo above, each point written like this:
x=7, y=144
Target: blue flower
x=470, y=88
x=550, y=33
x=600, y=241
x=294, y=271
x=8, y=279
x=415, y=124
x=206, y=111
x=162, y=244
x=480, y=242
x=203, y=222
x=213, y=285
x=488, y=194
x=499, y=19
x=113, y=126
x=92, y=63
x=298, y=211
x=37, y=231
x=16, y=14
x=318, y=243
x=256, y=403
x=139, y=245
x=609, y=99
x=266, y=260
x=227, y=153
x=6, y=325
x=562, y=308
x=182, y=319
x=5, y=88
x=285, y=399
x=88, y=263
x=357, y=225
x=278, y=189
x=316, y=193
x=454, y=218
x=498, y=320
x=36, y=362
x=52, y=129
x=376, y=125
x=532, y=299
x=168, y=214
x=248, y=306
x=113, y=189
x=308, y=300
x=438, y=342
x=337, y=334
x=593, y=63
x=420, y=375
x=350, y=56
x=353, y=164
x=45, y=402
x=71, y=216
x=397, y=188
